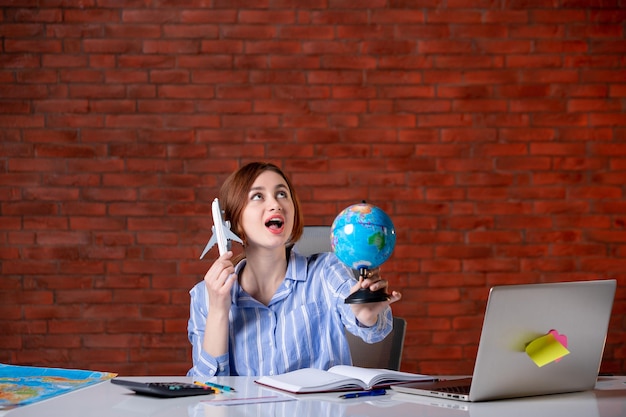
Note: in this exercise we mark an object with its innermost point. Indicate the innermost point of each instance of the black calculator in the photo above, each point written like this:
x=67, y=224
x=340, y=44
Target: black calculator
x=164, y=389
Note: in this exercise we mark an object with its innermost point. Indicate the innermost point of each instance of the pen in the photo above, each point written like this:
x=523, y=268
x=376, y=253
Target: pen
x=220, y=387
x=372, y=393
x=201, y=384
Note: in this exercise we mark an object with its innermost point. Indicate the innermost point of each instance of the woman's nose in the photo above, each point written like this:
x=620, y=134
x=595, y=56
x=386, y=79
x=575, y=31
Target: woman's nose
x=273, y=204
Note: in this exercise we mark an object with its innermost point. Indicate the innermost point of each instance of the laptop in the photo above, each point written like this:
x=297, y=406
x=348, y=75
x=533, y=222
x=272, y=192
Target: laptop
x=517, y=315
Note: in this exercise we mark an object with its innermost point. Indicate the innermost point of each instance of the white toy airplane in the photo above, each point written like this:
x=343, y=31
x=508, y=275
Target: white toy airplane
x=221, y=231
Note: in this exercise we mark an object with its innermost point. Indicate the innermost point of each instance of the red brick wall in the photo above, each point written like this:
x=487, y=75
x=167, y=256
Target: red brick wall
x=492, y=132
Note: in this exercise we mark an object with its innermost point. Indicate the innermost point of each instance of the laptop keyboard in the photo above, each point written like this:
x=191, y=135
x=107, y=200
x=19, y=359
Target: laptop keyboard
x=457, y=389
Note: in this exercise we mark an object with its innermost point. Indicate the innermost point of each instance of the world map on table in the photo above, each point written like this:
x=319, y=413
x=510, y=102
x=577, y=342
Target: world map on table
x=23, y=385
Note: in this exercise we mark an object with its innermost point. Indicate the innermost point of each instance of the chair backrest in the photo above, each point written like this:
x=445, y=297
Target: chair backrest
x=314, y=239
x=387, y=353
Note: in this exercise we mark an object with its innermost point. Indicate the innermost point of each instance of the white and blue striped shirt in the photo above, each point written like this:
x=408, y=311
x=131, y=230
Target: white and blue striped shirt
x=303, y=325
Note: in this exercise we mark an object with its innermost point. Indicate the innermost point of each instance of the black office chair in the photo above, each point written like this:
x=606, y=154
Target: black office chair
x=386, y=354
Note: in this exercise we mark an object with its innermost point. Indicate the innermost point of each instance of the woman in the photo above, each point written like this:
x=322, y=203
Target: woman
x=271, y=310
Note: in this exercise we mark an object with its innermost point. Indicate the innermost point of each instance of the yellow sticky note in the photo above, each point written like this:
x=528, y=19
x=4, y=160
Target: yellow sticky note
x=545, y=349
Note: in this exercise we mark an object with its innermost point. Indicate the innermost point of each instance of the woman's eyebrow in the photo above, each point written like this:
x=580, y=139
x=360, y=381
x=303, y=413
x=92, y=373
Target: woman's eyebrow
x=277, y=187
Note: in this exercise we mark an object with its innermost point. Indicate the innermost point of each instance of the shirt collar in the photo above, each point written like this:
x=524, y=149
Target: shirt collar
x=297, y=263
x=296, y=271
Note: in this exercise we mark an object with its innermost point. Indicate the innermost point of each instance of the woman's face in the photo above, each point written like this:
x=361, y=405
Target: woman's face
x=268, y=217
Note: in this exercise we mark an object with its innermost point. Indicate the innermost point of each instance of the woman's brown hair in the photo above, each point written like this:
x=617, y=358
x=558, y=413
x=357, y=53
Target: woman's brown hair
x=234, y=197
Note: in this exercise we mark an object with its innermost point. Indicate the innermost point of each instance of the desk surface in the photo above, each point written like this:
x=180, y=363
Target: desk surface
x=108, y=400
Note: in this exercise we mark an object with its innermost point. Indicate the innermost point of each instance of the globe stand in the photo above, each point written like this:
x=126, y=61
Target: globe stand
x=365, y=295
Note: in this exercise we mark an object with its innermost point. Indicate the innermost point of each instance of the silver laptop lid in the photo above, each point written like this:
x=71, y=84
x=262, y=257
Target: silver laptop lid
x=519, y=314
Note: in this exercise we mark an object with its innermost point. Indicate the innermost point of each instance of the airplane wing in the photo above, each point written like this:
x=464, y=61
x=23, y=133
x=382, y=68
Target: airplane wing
x=222, y=235
x=210, y=244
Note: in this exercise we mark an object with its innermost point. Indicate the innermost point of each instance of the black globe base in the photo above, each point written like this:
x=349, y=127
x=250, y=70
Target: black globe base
x=365, y=295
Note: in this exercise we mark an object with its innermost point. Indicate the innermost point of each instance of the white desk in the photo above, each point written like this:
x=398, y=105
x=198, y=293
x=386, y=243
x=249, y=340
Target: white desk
x=108, y=400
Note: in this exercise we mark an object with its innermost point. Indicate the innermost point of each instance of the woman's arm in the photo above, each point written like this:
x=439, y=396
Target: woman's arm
x=368, y=313
x=372, y=322
x=208, y=327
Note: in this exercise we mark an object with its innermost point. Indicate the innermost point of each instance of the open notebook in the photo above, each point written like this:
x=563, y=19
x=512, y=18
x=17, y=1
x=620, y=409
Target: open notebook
x=536, y=339
x=337, y=378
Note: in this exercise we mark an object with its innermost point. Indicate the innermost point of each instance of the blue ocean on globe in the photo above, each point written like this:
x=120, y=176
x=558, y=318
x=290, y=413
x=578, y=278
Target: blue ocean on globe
x=362, y=236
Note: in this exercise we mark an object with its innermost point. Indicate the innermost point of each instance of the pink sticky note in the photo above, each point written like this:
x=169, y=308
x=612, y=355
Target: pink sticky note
x=561, y=338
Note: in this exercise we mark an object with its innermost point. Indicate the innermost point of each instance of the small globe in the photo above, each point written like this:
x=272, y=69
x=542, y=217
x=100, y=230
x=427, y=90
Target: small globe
x=362, y=236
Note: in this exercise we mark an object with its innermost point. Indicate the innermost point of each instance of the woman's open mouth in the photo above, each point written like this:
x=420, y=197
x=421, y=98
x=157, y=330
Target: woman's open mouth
x=275, y=224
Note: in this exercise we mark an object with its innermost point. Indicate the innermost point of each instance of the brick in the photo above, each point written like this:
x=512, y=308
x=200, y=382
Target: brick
x=523, y=251
x=602, y=265
x=132, y=326
x=499, y=207
x=116, y=341
x=25, y=327
x=568, y=16
x=14, y=46
x=37, y=77
x=478, y=179
x=156, y=355
x=490, y=265
x=424, y=106
x=573, y=164
x=51, y=312
x=27, y=208
x=554, y=76
x=524, y=163
x=587, y=221
x=608, y=15
x=538, y=193
x=335, y=77
x=578, y=250
x=268, y=16
x=30, y=297
x=21, y=30
x=494, y=193
x=17, y=150
x=494, y=237
x=607, y=119
x=557, y=149
x=609, y=47
x=557, y=178
x=454, y=16
x=462, y=252
x=504, y=47
x=290, y=151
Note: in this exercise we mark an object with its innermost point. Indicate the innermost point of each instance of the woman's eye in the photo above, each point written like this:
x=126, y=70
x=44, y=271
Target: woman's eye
x=256, y=197
x=281, y=194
